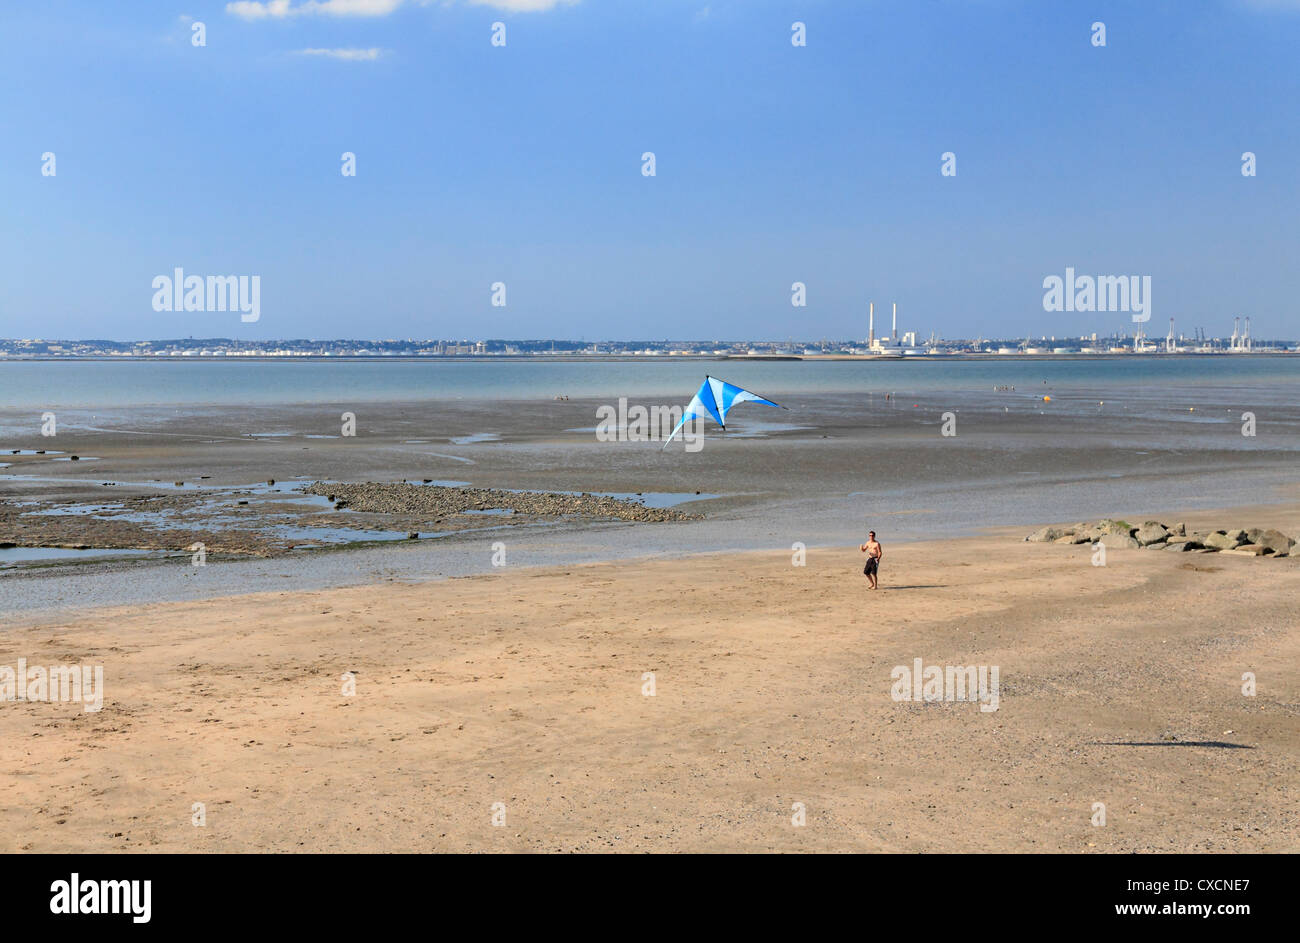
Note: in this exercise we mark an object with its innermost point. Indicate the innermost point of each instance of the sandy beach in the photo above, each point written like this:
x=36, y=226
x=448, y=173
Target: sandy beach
x=1119, y=685
x=470, y=427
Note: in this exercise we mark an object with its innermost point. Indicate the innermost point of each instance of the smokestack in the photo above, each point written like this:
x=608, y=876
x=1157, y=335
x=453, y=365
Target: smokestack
x=893, y=334
x=871, y=324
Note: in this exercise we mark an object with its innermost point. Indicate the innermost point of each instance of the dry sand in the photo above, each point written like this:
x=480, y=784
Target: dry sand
x=1119, y=684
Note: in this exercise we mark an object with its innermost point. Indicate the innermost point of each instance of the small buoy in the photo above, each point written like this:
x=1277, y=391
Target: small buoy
x=1047, y=399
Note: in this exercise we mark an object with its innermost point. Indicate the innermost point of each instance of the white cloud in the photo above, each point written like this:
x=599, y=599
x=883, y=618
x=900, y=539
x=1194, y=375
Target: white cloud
x=347, y=55
x=279, y=9
x=523, y=6
x=282, y=9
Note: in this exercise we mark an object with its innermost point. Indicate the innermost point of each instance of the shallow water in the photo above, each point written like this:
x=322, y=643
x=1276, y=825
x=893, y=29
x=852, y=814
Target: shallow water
x=259, y=509
x=21, y=555
x=1115, y=439
x=109, y=386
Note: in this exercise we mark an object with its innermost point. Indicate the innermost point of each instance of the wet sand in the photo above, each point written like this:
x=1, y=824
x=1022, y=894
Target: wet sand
x=836, y=465
x=833, y=465
x=1118, y=684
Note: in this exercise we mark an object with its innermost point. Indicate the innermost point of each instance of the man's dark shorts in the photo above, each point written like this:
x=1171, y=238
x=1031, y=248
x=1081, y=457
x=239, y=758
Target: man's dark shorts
x=872, y=567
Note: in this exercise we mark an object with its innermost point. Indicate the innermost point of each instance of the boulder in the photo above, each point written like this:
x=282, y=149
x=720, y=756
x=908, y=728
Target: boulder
x=1064, y=539
x=1046, y=535
x=1274, y=540
x=1108, y=526
x=1181, y=546
x=1240, y=536
x=1120, y=542
x=1152, y=532
x=1218, y=541
x=1249, y=550
x=1179, y=530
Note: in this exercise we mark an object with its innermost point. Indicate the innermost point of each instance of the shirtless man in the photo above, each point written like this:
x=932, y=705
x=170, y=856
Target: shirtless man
x=875, y=553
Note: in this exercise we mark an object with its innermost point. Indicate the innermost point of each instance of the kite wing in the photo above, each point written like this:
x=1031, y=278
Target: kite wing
x=715, y=398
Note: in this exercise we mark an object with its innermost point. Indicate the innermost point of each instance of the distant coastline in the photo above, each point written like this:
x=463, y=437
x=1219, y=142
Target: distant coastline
x=891, y=345
x=637, y=358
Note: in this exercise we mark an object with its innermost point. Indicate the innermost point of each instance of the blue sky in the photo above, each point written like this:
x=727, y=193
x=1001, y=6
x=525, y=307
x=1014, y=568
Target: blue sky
x=522, y=164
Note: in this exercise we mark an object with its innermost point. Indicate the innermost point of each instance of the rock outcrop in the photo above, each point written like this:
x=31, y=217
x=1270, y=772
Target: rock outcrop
x=1152, y=532
x=1155, y=535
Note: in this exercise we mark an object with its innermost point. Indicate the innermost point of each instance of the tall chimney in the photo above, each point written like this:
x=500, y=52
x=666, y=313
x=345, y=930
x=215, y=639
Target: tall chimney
x=871, y=324
x=893, y=334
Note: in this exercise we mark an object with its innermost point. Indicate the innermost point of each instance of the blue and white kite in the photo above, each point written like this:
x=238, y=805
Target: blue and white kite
x=714, y=399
